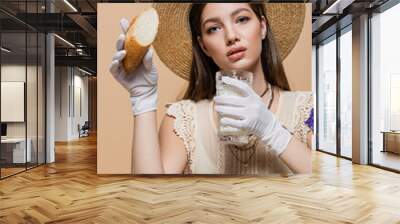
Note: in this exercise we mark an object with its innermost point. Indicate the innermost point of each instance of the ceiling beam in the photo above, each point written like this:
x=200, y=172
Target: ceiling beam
x=84, y=24
x=337, y=7
x=82, y=61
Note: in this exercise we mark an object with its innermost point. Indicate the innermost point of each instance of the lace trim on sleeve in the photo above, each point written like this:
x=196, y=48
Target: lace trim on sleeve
x=184, y=127
x=303, y=111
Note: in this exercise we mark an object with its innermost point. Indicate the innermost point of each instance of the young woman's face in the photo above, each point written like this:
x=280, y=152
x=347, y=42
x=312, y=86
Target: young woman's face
x=231, y=35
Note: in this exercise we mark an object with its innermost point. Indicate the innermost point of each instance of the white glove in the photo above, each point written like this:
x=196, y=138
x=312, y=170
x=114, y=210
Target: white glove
x=141, y=83
x=251, y=114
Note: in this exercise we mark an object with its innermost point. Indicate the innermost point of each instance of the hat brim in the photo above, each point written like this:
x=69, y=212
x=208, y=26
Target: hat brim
x=173, y=43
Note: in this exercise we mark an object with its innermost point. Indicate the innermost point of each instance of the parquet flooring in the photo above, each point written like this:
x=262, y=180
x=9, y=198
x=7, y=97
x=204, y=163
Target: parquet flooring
x=10, y=171
x=70, y=191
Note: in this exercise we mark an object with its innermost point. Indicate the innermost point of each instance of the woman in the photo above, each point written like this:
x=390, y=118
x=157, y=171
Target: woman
x=225, y=36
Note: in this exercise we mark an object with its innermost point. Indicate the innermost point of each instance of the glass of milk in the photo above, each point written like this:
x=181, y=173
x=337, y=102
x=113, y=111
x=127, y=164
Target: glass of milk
x=230, y=134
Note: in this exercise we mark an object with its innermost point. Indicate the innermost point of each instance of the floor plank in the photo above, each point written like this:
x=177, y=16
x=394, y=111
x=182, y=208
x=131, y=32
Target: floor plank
x=70, y=191
x=386, y=159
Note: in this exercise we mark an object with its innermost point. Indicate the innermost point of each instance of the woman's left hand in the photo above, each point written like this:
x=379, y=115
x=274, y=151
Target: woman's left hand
x=250, y=113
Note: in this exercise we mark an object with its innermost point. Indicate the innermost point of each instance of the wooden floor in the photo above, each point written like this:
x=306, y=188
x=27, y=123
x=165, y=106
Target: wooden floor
x=387, y=159
x=5, y=172
x=70, y=191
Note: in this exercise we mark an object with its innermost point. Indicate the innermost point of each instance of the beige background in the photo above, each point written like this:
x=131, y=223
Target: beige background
x=115, y=120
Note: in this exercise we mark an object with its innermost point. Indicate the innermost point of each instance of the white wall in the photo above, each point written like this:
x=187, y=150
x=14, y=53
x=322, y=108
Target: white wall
x=12, y=73
x=61, y=103
x=69, y=85
x=12, y=101
x=33, y=127
x=82, y=83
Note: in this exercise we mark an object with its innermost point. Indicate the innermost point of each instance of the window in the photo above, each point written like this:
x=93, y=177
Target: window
x=385, y=88
x=22, y=78
x=346, y=92
x=327, y=96
x=394, y=102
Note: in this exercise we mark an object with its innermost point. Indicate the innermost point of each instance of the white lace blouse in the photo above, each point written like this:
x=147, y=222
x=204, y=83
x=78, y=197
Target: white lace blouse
x=195, y=125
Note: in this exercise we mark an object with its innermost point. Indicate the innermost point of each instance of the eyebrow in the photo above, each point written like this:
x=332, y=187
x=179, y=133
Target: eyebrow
x=232, y=14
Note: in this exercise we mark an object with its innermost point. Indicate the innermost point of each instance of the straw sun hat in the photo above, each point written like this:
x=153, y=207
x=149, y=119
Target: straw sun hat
x=173, y=43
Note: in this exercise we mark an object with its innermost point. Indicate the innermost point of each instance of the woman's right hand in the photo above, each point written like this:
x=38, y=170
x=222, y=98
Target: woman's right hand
x=141, y=83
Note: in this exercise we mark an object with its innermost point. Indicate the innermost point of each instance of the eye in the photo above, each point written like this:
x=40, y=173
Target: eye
x=243, y=19
x=212, y=29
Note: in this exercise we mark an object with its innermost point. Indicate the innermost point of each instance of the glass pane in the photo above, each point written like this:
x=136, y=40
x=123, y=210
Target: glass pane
x=31, y=100
x=13, y=87
x=23, y=88
x=386, y=89
x=314, y=88
x=327, y=96
x=346, y=94
x=41, y=99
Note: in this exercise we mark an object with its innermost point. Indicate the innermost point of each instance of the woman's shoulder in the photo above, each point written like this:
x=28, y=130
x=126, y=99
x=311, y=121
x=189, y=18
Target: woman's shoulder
x=297, y=96
x=298, y=106
x=298, y=100
x=181, y=108
x=179, y=102
x=184, y=107
x=302, y=100
x=180, y=120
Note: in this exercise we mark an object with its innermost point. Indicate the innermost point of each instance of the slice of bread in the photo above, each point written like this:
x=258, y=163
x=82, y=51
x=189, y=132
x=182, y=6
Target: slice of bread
x=140, y=35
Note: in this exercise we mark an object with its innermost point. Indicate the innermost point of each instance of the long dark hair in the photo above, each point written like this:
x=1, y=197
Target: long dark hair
x=203, y=69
